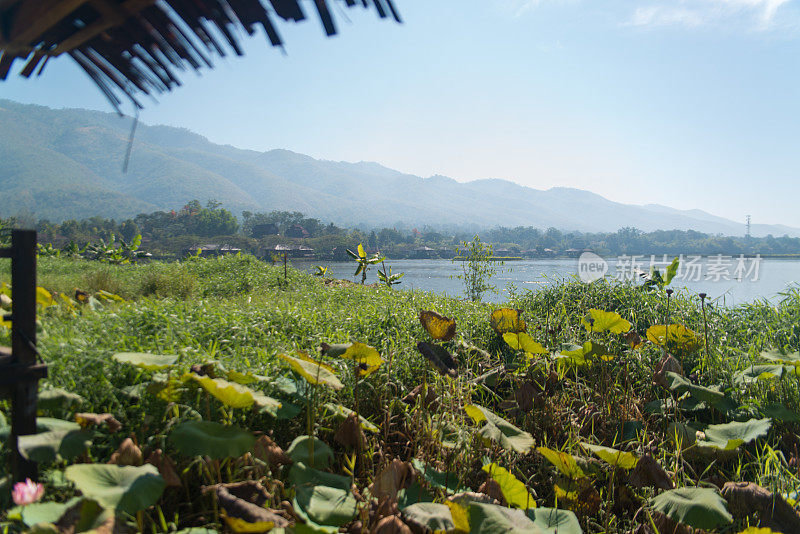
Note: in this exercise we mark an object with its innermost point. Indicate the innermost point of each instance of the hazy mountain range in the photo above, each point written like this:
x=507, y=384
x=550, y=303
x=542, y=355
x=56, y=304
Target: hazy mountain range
x=60, y=164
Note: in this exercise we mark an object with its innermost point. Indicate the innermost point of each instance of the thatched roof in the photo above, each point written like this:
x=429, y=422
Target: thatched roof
x=134, y=47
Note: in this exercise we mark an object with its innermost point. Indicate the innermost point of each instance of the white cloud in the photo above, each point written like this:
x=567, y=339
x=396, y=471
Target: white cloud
x=751, y=14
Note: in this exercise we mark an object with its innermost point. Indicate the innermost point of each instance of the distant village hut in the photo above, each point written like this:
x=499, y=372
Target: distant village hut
x=211, y=250
x=291, y=250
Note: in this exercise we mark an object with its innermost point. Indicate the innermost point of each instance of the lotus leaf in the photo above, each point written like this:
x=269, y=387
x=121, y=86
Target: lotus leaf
x=438, y=326
x=555, y=521
x=206, y=438
x=54, y=445
x=490, y=518
x=563, y=462
x=602, y=321
x=127, y=489
x=613, y=457
x=300, y=451
x=524, y=342
x=504, y=320
x=679, y=336
x=514, y=491
x=317, y=373
x=497, y=429
x=343, y=412
x=430, y=516
x=147, y=361
x=696, y=507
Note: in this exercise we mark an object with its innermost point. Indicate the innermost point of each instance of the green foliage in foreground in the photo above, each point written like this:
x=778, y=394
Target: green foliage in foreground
x=566, y=417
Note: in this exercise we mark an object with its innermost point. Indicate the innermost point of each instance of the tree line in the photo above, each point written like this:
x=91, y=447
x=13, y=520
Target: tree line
x=174, y=230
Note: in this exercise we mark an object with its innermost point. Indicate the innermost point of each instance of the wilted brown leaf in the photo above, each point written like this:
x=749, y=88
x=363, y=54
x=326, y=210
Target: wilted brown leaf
x=166, y=467
x=439, y=357
x=390, y=525
x=268, y=451
x=667, y=364
x=648, y=473
x=395, y=476
x=88, y=419
x=245, y=501
x=430, y=401
x=492, y=489
x=127, y=454
x=349, y=433
x=747, y=498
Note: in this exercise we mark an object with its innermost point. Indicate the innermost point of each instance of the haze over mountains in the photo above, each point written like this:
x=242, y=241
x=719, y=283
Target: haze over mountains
x=61, y=164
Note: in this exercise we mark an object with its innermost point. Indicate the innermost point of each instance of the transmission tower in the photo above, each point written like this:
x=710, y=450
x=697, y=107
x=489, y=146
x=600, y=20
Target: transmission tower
x=748, y=227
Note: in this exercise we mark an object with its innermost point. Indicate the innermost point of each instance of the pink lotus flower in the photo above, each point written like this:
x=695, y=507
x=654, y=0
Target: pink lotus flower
x=27, y=492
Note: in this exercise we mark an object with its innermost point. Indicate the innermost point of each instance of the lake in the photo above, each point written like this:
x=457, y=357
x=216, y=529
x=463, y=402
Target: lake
x=729, y=280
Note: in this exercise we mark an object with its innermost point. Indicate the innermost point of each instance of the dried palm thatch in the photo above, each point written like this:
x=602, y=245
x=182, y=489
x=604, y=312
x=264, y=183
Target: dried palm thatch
x=134, y=47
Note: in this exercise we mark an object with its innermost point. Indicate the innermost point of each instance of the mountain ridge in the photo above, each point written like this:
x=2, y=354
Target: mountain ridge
x=61, y=164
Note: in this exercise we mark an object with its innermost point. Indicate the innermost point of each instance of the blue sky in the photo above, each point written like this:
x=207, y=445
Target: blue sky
x=687, y=103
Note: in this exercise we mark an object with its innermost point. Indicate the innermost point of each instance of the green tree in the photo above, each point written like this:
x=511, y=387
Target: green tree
x=477, y=267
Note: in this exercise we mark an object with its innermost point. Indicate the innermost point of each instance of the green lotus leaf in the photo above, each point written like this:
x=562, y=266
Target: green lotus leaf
x=563, y=461
x=695, y=507
x=490, y=518
x=792, y=358
x=514, y=491
x=602, y=321
x=555, y=521
x=43, y=424
x=711, y=396
x=343, y=412
x=497, y=429
x=730, y=435
x=613, y=457
x=127, y=489
x=761, y=372
x=430, y=516
x=40, y=512
x=438, y=479
x=300, y=451
x=147, y=361
x=206, y=438
x=58, y=399
x=780, y=412
x=54, y=445
x=324, y=498
x=266, y=404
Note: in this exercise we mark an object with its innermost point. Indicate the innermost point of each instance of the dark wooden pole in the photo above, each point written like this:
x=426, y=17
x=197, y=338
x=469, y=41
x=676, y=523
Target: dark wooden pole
x=23, y=345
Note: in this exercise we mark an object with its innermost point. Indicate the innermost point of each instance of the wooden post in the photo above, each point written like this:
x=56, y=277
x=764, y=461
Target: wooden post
x=23, y=347
x=285, y=270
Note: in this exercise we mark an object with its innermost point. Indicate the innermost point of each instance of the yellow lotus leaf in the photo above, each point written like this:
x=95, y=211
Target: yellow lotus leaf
x=229, y=393
x=363, y=354
x=564, y=462
x=524, y=342
x=514, y=491
x=460, y=517
x=679, y=335
x=438, y=326
x=507, y=320
x=314, y=372
x=601, y=321
x=44, y=298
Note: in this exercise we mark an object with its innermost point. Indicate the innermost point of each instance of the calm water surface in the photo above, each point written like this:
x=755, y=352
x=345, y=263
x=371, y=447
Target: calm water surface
x=773, y=277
